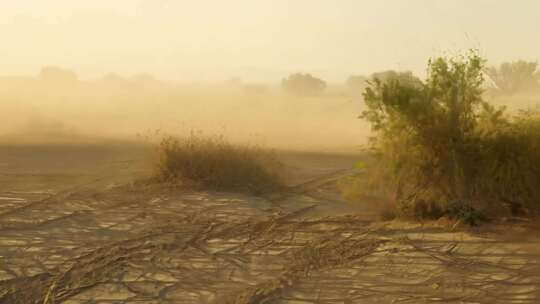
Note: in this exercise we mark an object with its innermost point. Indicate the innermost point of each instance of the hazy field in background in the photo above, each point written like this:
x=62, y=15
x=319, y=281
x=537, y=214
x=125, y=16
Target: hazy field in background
x=60, y=108
x=34, y=110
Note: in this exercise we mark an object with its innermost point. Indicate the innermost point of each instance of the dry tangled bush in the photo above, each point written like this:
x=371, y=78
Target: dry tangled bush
x=212, y=162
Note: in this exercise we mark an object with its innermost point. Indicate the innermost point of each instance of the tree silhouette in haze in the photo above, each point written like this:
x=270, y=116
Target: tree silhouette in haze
x=512, y=77
x=303, y=85
x=356, y=84
x=57, y=75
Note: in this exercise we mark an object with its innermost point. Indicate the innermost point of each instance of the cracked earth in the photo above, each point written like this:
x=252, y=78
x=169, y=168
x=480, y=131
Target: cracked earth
x=74, y=234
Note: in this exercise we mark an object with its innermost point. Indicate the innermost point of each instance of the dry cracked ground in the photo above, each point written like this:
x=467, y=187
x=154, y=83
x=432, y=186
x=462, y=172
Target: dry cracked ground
x=74, y=230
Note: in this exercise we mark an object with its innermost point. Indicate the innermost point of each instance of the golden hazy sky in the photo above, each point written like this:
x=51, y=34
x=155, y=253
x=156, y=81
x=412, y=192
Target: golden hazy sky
x=258, y=39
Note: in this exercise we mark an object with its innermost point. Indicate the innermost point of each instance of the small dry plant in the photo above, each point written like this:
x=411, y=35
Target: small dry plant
x=211, y=162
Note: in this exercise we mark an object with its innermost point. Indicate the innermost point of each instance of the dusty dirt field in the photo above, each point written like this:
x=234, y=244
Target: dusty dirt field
x=75, y=229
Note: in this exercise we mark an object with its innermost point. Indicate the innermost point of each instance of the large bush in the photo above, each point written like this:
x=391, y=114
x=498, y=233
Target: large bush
x=440, y=149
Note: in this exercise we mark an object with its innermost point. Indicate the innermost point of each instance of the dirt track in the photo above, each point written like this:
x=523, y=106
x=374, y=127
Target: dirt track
x=81, y=235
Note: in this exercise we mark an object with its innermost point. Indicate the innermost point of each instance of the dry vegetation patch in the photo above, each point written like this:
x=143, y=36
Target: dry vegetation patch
x=214, y=163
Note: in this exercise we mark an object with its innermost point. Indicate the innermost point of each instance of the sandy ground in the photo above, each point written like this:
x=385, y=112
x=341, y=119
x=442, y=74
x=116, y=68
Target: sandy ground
x=74, y=228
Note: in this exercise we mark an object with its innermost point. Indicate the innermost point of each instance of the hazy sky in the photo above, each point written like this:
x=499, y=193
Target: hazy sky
x=258, y=39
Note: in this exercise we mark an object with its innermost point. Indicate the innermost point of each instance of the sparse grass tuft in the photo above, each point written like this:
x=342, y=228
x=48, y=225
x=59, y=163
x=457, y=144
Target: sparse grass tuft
x=211, y=162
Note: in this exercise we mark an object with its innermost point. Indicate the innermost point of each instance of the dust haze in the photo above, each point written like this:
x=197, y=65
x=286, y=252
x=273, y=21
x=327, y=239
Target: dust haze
x=100, y=70
x=269, y=151
x=56, y=106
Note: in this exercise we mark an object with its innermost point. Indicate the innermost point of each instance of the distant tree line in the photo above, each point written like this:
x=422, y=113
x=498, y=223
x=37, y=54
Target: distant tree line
x=513, y=77
x=506, y=79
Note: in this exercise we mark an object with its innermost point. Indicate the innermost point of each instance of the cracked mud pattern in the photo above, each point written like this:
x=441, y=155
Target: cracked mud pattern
x=130, y=246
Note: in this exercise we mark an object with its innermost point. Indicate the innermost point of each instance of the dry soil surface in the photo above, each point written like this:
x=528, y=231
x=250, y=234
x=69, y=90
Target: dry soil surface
x=74, y=229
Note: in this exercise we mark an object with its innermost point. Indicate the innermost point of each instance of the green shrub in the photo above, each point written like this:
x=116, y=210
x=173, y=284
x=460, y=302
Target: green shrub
x=212, y=162
x=437, y=142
